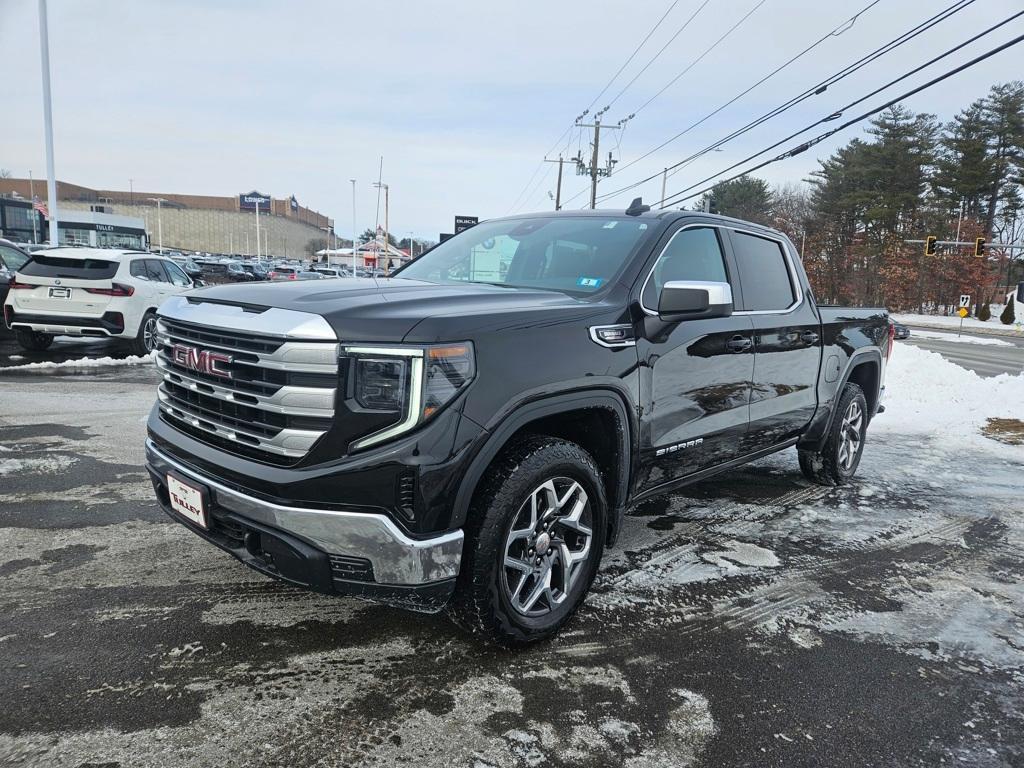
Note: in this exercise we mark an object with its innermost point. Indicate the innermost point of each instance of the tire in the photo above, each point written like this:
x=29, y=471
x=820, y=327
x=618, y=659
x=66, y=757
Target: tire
x=838, y=460
x=145, y=340
x=32, y=341
x=495, y=599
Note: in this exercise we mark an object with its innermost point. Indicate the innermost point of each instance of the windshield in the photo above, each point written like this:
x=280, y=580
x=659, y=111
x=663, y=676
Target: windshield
x=579, y=254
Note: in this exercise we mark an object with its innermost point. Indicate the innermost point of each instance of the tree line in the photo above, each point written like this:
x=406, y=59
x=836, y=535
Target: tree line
x=911, y=176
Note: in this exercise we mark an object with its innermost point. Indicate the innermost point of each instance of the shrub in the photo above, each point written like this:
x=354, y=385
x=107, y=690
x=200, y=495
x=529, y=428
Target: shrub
x=1008, y=315
x=984, y=313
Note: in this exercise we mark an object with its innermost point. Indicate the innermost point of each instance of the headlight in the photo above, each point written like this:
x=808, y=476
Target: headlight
x=413, y=383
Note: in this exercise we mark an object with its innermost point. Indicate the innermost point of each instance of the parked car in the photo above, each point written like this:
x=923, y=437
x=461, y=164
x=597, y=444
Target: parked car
x=12, y=258
x=256, y=269
x=91, y=292
x=284, y=272
x=332, y=271
x=439, y=441
x=901, y=331
x=239, y=274
x=312, y=276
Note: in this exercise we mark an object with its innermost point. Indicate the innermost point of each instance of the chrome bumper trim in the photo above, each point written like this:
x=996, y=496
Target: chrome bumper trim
x=396, y=558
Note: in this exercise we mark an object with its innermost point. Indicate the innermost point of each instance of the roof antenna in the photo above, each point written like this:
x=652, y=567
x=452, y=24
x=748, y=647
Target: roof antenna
x=637, y=207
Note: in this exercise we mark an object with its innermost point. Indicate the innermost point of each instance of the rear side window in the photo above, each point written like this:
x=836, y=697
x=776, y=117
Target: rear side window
x=691, y=254
x=138, y=269
x=764, y=273
x=78, y=269
x=12, y=259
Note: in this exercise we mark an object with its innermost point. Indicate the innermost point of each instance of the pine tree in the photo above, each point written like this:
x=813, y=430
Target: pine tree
x=747, y=198
x=1003, y=121
x=1008, y=316
x=984, y=313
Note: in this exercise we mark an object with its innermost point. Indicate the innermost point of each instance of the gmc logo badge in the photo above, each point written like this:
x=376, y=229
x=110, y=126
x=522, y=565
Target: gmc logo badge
x=201, y=360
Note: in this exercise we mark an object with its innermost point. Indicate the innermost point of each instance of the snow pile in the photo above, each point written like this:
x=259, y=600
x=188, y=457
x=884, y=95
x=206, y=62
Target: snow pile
x=987, y=341
x=85, y=362
x=925, y=393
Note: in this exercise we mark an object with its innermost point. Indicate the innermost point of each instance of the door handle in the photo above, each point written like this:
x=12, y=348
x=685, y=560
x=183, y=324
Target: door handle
x=739, y=344
x=809, y=337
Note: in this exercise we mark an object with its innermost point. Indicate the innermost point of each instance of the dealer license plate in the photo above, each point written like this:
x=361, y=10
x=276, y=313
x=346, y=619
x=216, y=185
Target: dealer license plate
x=187, y=501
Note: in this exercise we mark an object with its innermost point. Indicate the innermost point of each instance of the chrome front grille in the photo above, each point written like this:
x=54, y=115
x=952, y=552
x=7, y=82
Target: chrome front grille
x=277, y=397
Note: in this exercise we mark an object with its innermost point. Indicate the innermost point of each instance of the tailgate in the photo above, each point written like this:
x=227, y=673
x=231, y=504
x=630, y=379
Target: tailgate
x=64, y=285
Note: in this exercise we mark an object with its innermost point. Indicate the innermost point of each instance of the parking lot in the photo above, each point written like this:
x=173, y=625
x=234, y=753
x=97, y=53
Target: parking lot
x=750, y=620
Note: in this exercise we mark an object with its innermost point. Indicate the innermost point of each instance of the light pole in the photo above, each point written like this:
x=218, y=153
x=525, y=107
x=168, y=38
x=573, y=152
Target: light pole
x=258, y=230
x=353, y=227
x=51, y=178
x=159, y=222
x=131, y=191
x=387, y=254
x=327, y=240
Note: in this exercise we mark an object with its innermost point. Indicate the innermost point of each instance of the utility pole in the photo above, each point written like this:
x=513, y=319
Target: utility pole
x=594, y=171
x=51, y=178
x=558, y=186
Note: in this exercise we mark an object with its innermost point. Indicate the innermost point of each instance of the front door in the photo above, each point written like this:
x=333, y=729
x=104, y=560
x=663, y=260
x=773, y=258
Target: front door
x=695, y=374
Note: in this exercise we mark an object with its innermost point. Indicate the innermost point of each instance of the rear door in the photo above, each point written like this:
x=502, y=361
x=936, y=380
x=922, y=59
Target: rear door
x=695, y=374
x=787, y=338
x=64, y=285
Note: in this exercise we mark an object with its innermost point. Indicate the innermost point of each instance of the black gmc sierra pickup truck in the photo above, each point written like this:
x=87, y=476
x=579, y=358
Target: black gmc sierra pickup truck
x=467, y=433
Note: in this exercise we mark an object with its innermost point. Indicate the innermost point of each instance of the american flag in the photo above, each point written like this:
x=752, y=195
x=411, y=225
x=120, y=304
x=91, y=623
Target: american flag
x=40, y=206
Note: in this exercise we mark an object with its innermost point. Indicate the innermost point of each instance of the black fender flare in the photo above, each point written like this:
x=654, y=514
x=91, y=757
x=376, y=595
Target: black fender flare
x=553, y=405
x=858, y=357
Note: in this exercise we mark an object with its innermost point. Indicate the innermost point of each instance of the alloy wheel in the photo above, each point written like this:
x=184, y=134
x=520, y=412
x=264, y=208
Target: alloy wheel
x=149, y=333
x=850, y=435
x=547, y=546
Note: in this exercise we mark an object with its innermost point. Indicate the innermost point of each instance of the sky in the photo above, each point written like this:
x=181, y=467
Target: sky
x=461, y=99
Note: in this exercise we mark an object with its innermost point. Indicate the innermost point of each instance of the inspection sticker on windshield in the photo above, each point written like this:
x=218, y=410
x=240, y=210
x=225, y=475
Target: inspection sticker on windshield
x=589, y=282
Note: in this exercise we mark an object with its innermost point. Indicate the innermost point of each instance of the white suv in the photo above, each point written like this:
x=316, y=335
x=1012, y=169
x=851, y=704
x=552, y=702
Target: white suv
x=91, y=292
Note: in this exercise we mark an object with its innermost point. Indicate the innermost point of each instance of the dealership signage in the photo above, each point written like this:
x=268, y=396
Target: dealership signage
x=254, y=200
x=104, y=227
x=465, y=222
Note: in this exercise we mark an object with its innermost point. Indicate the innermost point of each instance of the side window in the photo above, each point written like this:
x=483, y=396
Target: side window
x=155, y=272
x=178, y=277
x=138, y=269
x=691, y=254
x=764, y=273
x=11, y=258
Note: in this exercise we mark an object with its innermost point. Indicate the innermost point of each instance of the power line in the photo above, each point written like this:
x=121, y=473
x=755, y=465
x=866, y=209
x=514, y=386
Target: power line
x=568, y=131
x=696, y=61
x=814, y=90
x=678, y=197
x=658, y=54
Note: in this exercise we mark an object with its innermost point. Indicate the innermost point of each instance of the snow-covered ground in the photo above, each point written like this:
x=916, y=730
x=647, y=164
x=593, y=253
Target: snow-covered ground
x=986, y=341
x=944, y=321
x=927, y=394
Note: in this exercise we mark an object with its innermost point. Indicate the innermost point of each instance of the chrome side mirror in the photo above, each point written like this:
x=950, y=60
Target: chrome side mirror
x=694, y=300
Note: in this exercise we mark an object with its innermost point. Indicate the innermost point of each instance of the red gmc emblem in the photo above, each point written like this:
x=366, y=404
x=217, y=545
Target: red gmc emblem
x=201, y=360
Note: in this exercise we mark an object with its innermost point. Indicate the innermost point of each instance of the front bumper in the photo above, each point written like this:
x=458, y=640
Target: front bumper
x=330, y=551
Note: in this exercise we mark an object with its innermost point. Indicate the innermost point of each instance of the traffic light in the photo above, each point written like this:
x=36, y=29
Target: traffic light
x=929, y=245
x=979, y=247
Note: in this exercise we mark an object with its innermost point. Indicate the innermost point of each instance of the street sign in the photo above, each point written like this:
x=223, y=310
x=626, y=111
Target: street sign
x=962, y=312
x=965, y=300
x=465, y=222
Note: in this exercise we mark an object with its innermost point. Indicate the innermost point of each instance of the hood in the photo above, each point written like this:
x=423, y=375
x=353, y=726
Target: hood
x=386, y=310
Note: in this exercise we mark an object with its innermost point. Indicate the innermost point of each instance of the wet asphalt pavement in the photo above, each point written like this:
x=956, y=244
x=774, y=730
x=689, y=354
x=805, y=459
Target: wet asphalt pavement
x=752, y=620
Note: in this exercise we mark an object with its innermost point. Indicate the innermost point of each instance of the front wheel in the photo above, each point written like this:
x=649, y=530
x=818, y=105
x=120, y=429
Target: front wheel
x=533, y=542
x=838, y=460
x=32, y=341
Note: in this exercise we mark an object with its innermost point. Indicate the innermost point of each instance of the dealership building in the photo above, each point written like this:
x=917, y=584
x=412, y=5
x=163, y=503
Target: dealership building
x=195, y=223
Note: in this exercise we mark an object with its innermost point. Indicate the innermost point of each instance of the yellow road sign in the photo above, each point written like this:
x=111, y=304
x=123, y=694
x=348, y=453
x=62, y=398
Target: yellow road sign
x=963, y=312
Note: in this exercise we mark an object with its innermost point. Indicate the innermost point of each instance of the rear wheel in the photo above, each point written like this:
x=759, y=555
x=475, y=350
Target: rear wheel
x=145, y=340
x=838, y=460
x=32, y=341
x=533, y=542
